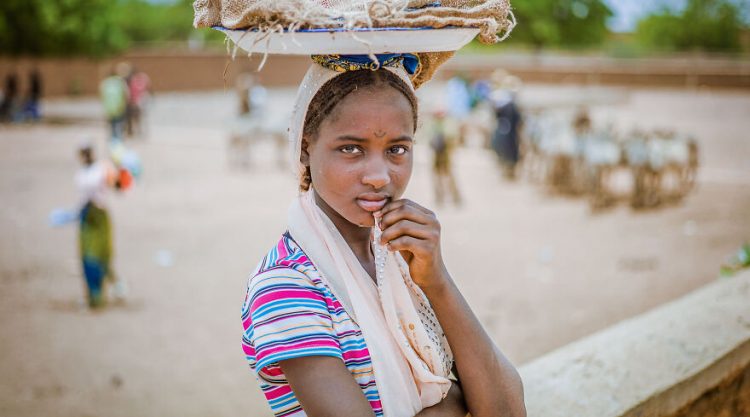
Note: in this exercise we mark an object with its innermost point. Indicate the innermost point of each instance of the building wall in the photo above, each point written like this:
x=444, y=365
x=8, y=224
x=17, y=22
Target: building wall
x=183, y=71
x=168, y=72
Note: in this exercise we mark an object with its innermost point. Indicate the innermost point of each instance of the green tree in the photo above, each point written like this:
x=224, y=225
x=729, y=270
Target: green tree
x=709, y=25
x=61, y=27
x=93, y=27
x=567, y=23
x=144, y=21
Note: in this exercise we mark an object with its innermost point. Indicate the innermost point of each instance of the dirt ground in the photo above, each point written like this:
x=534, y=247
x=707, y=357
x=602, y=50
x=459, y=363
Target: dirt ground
x=540, y=271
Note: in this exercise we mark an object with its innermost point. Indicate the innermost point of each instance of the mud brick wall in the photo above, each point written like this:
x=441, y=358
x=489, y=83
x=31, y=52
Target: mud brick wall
x=190, y=71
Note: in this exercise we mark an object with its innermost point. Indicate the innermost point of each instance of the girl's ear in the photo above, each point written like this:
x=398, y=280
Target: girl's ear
x=304, y=155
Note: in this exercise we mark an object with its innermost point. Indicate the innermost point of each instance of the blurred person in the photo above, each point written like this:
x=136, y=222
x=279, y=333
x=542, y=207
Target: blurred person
x=645, y=178
x=459, y=97
x=252, y=96
x=113, y=91
x=505, y=141
x=245, y=126
x=93, y=180
x=442, y=142
x=253, y=124
x=459, y=102
x=139, y=89
x=8, y=106
x=481, y=89
x=481, y=122
x=535, y=157
x=588, y=151
x=243, y=85
x=582, y=121
x=31, y=108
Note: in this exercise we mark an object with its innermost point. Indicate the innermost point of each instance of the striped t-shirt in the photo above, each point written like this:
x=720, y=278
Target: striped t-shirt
x=290, y=313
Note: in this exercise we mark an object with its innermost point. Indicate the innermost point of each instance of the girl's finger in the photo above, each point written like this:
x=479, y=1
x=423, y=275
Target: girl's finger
x=404, y=213
x=406, y=228
x=408, y=244
x=395, y=205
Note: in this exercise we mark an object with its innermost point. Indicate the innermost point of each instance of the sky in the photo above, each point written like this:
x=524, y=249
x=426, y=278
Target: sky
x=628, y=12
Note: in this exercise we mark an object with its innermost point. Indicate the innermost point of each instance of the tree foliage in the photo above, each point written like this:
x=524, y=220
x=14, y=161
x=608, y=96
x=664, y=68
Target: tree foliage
x=42, y=27
x=145, y=21
x=709, y=25
x=561, y=22
x=91, y=27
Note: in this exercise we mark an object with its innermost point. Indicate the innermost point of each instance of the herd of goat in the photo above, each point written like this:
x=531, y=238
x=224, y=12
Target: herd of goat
x=572, y=157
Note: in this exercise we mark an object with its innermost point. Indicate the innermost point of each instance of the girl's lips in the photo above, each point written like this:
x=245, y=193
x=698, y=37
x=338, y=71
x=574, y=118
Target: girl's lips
x=371, y=206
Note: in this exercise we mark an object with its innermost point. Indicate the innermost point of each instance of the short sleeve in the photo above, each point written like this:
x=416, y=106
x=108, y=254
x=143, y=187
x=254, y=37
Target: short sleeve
x=285, y=316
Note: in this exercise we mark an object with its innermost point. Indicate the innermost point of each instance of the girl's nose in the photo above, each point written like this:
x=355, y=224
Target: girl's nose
x=376, y=173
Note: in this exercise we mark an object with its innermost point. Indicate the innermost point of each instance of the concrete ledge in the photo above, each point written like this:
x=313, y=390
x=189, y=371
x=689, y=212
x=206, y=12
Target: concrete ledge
x=655, y=364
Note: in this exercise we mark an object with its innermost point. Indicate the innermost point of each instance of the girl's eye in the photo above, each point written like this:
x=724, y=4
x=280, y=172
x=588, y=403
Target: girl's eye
x=350, y=149
x=399, y=150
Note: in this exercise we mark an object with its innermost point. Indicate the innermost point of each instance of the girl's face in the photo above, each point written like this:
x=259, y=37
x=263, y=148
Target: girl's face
x=362, y=156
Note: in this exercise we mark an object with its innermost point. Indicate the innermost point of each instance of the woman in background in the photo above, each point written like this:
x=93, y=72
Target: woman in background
x=95, y=234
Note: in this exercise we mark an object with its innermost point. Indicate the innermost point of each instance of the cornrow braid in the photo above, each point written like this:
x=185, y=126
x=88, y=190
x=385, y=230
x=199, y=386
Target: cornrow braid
x=336, y=89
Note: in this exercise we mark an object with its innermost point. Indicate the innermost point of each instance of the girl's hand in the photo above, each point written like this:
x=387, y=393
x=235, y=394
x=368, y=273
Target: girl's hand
x=414, y=231
x=453, y=405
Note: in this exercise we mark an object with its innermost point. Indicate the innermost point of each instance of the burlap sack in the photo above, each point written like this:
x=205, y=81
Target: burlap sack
x=490, y=16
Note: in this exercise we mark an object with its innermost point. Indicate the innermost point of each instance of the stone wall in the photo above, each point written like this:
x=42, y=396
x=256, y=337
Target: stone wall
x=730, y=399
x=687, y=358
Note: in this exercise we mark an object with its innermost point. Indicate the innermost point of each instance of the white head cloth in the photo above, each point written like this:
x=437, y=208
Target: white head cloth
x=410, y=355
x=315, y=78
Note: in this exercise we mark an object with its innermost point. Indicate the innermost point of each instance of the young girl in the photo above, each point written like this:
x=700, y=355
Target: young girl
x=353, y=312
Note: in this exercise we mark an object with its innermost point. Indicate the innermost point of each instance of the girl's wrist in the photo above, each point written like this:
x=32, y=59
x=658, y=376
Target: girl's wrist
x=435, y=288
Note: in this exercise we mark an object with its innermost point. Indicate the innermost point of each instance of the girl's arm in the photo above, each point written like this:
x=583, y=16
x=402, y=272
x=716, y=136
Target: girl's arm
x=491, y=385
x=325, y=387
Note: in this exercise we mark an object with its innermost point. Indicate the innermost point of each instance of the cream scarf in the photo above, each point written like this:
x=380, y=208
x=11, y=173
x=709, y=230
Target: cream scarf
x=410, y=355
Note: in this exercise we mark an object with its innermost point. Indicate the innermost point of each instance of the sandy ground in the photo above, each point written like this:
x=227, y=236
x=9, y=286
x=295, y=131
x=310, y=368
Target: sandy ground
x=540, y=271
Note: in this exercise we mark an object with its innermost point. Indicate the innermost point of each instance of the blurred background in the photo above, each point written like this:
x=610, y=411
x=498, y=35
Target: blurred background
x=592, y=167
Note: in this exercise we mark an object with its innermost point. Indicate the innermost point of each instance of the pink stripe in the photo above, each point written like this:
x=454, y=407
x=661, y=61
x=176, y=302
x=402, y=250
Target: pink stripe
x=356, y=354
x=262, y=353
x=283, y=295
x=248, y=349
x=278, y=391
x=281, y=250
x=333, y=303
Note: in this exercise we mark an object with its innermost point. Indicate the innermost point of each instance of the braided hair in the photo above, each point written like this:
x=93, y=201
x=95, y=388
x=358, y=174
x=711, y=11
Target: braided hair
x=336, y=89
